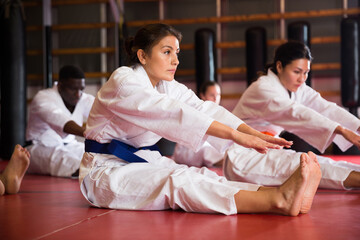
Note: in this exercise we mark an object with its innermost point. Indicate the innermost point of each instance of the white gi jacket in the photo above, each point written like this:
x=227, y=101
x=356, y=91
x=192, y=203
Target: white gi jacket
x=53, y=151
x=267, y=106
x=129, y=109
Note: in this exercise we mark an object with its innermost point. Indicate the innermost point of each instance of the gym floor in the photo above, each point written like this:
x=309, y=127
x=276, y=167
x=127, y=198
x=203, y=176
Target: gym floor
x=53, y=208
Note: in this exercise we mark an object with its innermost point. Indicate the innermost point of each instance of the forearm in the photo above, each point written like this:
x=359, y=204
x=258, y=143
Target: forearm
x=349, y=135
x=73, y=128
x=339, y=130
x=220, y=130
x=244, y=128
x=342, y=131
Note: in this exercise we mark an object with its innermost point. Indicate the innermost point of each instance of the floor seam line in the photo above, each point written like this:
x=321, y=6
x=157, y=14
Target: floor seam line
x=74, y=224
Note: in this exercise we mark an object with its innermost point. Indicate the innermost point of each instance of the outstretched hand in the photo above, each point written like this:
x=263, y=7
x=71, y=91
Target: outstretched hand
x=279, y=141
x=250, y=141
x=246, y=137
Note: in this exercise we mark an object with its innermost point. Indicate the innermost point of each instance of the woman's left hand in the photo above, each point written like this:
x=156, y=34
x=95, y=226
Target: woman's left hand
x=279, y=141
x=244, y=128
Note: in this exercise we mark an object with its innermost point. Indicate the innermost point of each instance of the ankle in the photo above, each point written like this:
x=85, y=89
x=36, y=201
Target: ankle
x=353, y=180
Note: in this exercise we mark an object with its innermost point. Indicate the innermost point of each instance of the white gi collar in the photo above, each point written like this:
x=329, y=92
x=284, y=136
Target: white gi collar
x=140, y=71
x=272, y=75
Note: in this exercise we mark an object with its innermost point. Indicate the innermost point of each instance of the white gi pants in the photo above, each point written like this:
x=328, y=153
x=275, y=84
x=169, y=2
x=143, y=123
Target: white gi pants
x=60, y=161
x=109, y=182
x=273, y=168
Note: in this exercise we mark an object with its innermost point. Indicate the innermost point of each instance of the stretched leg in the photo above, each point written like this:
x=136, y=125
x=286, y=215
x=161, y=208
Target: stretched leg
x=273, y=168
x=11, y=177
x=287, y=199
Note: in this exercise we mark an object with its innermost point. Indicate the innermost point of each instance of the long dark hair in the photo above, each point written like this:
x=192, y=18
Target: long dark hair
x=288, y=52
x=146, y=37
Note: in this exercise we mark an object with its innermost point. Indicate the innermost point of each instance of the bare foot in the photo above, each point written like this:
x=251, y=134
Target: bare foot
x=294, y=196
x=313, y=183
x=292, y=191
x=15, y=170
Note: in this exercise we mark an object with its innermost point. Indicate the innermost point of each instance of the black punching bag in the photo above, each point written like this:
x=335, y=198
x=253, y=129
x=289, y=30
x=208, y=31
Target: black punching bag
x=12, y=76
x=256, y=52
x=47, y=44
x=300, y=31
x=123, y=34
x=350, y=64
x=349, y=72
x=205, y=56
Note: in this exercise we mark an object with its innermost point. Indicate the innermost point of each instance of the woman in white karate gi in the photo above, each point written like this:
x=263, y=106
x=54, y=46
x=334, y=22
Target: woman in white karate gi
x=140, y=104
x=280, y=100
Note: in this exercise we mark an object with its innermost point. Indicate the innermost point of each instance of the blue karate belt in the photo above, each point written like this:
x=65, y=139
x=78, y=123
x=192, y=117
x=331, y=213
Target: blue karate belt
x=117, y=148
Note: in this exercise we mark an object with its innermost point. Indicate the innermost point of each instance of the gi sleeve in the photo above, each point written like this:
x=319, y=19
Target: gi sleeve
x=127, y=97
x=331, y=110
x=45, y=106
x=277, y=108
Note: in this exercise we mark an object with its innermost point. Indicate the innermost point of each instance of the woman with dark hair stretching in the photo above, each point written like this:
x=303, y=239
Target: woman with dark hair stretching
x=280, y=100
x=140, y=104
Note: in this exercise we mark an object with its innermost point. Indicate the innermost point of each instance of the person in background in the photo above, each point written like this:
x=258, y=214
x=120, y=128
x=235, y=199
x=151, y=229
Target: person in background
x=11, y=177
x=210, y=91
x=56, y=116
x=280, y=100
x=138, y=105
x=207, y=155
